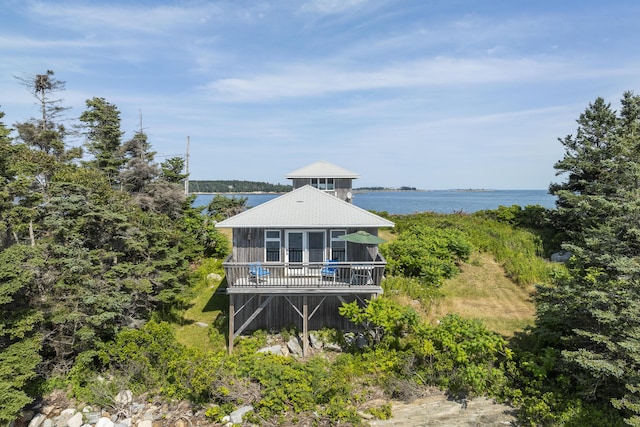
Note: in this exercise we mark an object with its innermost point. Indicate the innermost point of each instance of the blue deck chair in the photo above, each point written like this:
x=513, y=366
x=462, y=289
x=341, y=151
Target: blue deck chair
x=257, y=272
x=330, y=269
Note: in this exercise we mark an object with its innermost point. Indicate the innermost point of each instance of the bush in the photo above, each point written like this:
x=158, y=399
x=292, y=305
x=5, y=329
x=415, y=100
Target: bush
x=427, y=253
x=519, y=250
x=461, y=355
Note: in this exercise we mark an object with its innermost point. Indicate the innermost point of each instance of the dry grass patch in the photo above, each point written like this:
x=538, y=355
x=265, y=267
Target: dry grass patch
x=482, y=291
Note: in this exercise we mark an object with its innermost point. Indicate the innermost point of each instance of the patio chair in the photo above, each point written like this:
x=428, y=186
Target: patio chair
x=330, y=270
x=257, y=272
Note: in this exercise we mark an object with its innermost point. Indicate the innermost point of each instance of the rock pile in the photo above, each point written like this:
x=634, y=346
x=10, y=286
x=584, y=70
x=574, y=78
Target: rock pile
x=124, y=412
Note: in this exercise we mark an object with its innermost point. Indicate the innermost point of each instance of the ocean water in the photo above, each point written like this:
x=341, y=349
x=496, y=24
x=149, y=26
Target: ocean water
x=440, y=201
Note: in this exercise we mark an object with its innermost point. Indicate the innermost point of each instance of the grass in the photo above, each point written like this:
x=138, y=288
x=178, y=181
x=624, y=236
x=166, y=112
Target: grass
x=206, y=306
x=483, y=291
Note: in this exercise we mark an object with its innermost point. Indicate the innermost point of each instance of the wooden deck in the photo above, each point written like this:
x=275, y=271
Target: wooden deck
x=349, y=278
x=272, y=295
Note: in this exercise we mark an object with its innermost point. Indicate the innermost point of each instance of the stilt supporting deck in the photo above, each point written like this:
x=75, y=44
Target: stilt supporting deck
x=305, y=326
x=304, y=312
x=232, y=315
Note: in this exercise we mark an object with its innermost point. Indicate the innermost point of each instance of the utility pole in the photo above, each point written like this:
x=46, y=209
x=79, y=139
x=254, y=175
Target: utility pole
x=186, y=164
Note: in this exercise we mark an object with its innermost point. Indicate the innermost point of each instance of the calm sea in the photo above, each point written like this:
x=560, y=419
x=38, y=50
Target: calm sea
x=440, y=201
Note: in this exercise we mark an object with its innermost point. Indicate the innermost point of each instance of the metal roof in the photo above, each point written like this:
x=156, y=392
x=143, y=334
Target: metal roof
x=322, y=169
x=305, y=207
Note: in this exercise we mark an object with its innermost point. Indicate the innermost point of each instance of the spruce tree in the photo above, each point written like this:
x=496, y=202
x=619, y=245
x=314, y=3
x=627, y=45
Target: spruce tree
x=595, y=316
x=101, y=124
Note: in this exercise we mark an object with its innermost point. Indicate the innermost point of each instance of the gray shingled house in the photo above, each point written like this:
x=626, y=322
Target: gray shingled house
x=290, y=265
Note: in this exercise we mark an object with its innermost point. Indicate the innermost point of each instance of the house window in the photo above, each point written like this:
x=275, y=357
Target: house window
x=323, y=183
x=272, y=245
x=338, y=246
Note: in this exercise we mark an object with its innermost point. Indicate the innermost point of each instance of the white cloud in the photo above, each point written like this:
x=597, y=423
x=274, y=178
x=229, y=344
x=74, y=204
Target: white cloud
x=21, y=43
x=308, y=80
x=141, y=19
x=331, y=6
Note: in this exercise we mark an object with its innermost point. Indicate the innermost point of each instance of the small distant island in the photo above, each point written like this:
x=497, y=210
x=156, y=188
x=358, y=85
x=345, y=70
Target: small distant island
x=403, y=188
x=473, y=190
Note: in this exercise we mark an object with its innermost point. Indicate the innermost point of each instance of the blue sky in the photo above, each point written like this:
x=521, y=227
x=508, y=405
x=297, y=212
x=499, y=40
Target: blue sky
x=426, y=93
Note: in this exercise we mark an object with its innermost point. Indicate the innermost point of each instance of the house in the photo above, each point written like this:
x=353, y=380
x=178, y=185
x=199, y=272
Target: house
x=289, y=264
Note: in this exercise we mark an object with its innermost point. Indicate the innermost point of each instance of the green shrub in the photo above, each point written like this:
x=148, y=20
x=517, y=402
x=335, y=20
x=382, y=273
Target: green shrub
x=430, y=254
x=412, y=287
x=461, y=355
x=382, y=412
x=519, y=250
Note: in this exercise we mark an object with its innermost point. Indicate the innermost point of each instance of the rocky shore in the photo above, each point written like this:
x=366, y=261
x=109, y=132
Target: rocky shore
x=125, y=411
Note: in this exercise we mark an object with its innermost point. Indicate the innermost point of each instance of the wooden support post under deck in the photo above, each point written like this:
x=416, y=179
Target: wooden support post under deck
x=232, y=315
x=305, y=326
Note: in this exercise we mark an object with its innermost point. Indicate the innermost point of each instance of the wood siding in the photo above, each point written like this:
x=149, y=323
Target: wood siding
x=280, y=313
x=248, y=244
x=342, y=186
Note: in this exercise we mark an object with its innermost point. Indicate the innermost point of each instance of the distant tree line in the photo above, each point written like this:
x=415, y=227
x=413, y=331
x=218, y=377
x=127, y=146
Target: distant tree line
x=403, y=188
x=236, y=186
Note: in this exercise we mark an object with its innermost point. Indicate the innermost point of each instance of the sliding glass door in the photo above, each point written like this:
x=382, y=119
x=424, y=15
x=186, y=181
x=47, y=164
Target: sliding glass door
x=305, y=246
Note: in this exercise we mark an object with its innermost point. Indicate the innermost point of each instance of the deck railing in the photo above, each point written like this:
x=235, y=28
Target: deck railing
x=304, y=275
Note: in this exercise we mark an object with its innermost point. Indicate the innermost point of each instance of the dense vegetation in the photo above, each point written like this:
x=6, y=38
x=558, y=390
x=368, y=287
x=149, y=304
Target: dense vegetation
x=586, y=340
x=89, y=246
x=101, y=252
x=235, y=186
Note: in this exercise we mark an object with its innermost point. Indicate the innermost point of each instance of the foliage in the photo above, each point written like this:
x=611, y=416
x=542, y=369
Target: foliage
x=458, y=354
x=19, y=337
x=463, y=356
x=101, y=124
x=592, y=319
x=87, y=248
x=411, y=287
x=533, y=218
x=171, y=170
x=222, y=207
x=518, y=250
x=430, y=254
x=382, y=318
x=234, y=186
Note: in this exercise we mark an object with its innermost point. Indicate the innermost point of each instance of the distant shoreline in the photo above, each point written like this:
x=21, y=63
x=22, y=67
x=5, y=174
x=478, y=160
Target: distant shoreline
x=355, y=190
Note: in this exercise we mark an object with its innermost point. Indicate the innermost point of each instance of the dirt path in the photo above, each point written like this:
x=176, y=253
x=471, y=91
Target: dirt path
x=483, y=291
x=437, y=410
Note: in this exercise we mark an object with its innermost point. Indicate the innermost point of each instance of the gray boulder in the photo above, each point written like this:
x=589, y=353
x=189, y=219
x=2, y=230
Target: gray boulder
x=274, y=349
x=294, y=346
x=237, y=415
x=37, y=420
x=124, y=398
x=105, y=422
x=562, y=256
x=315, y=340
x=75, y=420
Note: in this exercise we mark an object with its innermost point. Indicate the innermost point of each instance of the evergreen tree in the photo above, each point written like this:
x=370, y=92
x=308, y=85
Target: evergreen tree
x=6, y=177
x=172, y=170
x=101, y=123
x=139, y=170
x=41, y=150
x=84, y=258
x=594, y=317
x=19, y=338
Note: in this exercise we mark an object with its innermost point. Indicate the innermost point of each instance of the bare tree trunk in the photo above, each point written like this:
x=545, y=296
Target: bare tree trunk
x=32, y=236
